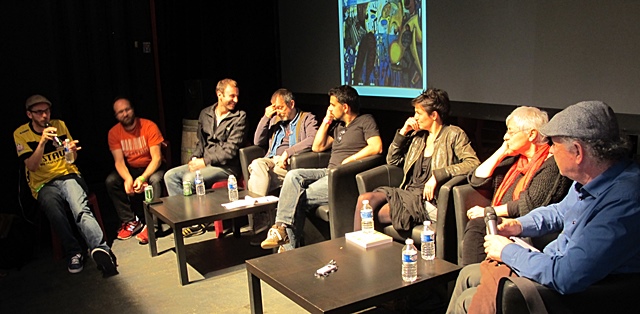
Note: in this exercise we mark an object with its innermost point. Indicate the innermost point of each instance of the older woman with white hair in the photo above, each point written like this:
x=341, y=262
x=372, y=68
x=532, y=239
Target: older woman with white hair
x=523, y=173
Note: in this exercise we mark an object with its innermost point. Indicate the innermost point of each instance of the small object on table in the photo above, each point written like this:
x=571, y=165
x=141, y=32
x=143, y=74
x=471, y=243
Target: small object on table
x=325, y=270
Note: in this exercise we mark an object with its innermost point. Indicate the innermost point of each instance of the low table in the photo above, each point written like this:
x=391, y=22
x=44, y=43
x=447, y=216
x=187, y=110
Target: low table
x=365, y=277
x=183, y=211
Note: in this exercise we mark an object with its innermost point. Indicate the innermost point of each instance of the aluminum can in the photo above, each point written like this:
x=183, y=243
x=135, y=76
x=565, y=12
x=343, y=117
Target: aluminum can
x=186, y=188
x=148, y=193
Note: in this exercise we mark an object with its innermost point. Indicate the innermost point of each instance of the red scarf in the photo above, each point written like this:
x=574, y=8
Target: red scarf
x=526, y=168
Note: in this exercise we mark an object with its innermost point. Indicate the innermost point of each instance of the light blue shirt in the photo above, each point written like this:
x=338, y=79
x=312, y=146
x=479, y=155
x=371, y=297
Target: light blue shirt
x=600, y=224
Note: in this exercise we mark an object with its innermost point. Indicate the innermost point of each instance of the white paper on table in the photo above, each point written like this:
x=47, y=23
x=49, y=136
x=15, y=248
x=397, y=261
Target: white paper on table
x=250, y=201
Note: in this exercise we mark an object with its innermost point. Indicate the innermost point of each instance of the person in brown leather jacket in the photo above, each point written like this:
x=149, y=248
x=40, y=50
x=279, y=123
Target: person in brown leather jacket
x=430, y=152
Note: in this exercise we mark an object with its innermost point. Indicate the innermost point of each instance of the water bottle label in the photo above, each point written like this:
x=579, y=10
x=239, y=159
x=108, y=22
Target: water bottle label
x=231, y=186
x=427, y=238
x=410, y=258
x=366, y=214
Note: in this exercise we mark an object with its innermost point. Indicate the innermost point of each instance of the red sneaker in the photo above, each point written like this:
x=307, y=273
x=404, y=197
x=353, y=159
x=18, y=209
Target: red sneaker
x=143, y=236
x=129, y=229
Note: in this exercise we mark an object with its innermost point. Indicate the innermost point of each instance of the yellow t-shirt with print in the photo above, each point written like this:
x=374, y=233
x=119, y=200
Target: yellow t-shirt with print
x=53, y=163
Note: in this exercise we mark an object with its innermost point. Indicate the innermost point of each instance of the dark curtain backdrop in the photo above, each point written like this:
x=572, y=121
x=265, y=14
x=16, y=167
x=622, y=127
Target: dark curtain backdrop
x=202, y=42
x=81, y=54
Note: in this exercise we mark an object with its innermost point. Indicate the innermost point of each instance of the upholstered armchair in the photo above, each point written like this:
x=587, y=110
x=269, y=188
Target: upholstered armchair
x=446, y=239
x=613, y=294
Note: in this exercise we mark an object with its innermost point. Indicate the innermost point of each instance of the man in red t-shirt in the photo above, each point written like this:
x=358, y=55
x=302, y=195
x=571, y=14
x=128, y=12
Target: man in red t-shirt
x=135, y=145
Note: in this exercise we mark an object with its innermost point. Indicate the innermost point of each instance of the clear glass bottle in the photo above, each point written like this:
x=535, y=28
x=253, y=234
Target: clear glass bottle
x=68, y=154
x=366, y=215
x=409, y=261
x=232, y=185
x=199, y=183
x=428, y=242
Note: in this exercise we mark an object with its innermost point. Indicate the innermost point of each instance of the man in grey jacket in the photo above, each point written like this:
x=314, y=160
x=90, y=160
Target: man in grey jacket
x=284, y=130
x=220, y=133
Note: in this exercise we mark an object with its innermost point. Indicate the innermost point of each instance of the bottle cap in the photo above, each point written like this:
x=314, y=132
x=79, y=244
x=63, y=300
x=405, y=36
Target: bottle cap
x=427, y=223
x=408, y=241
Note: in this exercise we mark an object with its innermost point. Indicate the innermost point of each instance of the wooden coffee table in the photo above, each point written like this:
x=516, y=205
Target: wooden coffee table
x=183, y=211
x=365, y=277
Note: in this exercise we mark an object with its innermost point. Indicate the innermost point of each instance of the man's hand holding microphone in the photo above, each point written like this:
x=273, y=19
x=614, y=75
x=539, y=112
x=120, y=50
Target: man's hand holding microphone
x=498, y=233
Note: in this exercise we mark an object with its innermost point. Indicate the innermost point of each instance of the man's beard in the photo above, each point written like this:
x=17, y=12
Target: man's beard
x=128, y=123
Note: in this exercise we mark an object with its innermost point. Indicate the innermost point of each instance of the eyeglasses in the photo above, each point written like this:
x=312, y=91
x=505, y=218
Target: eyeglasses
x=513, y=132
x=40, y=112
x=123, y=111
x=340, y=134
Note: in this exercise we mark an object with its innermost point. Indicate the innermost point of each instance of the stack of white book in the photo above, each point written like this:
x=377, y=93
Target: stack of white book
x=368, y=240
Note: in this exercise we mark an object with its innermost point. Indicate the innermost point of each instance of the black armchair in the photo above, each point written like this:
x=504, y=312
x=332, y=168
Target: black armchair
x=614, y=294
x=343, y=191
x=446, y=243
x=247, y=155
x=464, y=197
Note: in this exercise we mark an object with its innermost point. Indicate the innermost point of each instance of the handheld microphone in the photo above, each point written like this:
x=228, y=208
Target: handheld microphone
x=55, y=138
x=490, y=219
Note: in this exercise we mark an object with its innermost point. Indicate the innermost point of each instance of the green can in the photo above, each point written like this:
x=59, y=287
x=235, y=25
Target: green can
x=186, y=188
x=148, y=194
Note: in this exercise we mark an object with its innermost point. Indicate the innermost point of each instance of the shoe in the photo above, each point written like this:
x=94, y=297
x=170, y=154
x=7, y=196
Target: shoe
x=276, y=236
x=193, y=231
x=105, y=262
x=129, y=229
x=143, y=236
x=76, y=264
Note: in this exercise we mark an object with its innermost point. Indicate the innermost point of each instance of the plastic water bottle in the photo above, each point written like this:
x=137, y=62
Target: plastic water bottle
x=199, y=183
x=232, y=185
x=428, y=239
x=68, y=154
x=409, y=261
x=366, y=215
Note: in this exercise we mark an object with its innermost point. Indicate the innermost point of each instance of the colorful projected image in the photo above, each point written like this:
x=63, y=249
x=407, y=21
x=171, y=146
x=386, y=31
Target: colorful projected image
x=383, y=44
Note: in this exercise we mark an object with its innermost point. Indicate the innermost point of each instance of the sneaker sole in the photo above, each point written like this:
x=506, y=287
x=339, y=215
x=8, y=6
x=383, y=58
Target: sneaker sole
x=269, y=246
x=75, y=271
x=104, y=261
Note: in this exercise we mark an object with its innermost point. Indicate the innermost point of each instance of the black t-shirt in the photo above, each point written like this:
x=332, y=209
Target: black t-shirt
x=350, y=140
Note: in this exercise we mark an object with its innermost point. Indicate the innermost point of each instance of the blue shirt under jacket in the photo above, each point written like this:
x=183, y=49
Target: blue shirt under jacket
x=600, y=224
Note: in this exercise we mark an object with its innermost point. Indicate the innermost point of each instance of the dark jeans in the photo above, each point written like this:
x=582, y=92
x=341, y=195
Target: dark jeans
x=70, y=192
x=124, y=203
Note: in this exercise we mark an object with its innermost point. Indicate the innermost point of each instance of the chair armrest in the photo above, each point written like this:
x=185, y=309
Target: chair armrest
x=310, y=160
x=385, y=175
x=165, y=149
x=247, y=155
x=343, y=193
x=446, y=239
x=613, y=294
x=464, y=197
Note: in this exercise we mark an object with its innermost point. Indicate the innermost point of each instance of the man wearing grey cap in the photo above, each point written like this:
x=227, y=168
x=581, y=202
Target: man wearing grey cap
x=598, y=220
x=56, y=183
